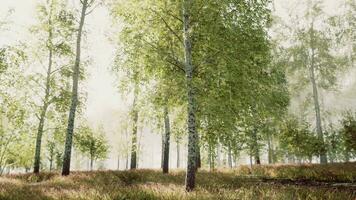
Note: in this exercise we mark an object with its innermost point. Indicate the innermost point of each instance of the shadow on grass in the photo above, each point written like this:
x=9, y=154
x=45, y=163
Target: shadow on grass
x=17, y=191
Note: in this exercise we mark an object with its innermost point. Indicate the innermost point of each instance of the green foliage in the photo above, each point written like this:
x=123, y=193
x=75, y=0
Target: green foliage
x=91, y=143
x=232, y=59
x=14, y=133
x=348, y=132
x=297, y=140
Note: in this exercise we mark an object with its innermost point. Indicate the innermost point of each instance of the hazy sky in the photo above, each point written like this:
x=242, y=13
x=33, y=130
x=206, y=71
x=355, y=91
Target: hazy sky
x=104, y=103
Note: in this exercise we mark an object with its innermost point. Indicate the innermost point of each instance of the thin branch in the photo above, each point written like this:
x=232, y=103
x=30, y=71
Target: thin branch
x=58, y=69
x=88, y=13
x=167, y=25
x=170, y=14
x=176, y=62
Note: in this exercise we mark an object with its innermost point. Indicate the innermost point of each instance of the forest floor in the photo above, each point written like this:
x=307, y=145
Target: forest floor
x=333, y=181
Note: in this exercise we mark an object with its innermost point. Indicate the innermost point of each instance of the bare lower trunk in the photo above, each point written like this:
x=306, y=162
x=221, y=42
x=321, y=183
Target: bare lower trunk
x=166, y=141
x=133, y=164
x=251, y=163
x=256, y=149
x=127, y=162
x=235, y=160
x=229, y=157
x=74, y=100
x=192, y=132
x=178, y=154
x=218, y=154
x=51, y=161
x=198, y=163
x=211, y=157
x=162, y=150
x=270, y=149
x=91, y=163
x=323, y=157
x=37, y=159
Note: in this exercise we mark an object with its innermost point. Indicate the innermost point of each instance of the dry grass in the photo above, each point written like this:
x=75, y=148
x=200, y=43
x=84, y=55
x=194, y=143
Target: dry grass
x=338, y=172
x=150, y=184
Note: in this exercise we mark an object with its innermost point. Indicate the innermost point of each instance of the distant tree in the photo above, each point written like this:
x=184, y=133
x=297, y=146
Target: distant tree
x=334, y=143
x=312, y=60
x=14, y=113
x=56, y=24
x=92, y=143
x=296, y=140
x=13, y=130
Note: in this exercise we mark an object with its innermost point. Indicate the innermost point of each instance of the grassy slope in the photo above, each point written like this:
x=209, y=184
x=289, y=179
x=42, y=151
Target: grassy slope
x=149, y=184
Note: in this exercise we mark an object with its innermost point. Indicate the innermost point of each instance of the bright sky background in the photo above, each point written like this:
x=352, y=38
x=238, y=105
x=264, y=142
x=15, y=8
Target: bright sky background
x=104, y=104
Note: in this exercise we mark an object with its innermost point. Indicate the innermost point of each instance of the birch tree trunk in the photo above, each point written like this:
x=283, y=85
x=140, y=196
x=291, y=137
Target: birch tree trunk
x=51, y=163
x=229, y=156
x=218, y=154
x=270, y=149
x=74, y=99
x=133, y=164
x=198, y=164
x=178, y=154
x=42, y=118
x=323, y=157
x=192, y=132
x=91, y=162
x=211, y=153
x=166, y=141
x=256, y=150
x=162, y=149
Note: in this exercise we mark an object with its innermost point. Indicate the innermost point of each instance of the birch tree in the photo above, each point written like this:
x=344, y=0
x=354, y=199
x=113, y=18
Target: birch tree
x=311, y=56
x=56, y=24
x=86, y=5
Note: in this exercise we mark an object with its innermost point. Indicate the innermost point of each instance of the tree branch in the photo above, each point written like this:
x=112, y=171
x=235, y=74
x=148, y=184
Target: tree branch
x=167, y=25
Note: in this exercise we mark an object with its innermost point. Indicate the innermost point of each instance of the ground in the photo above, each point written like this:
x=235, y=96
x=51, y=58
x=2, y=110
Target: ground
x=337, y=181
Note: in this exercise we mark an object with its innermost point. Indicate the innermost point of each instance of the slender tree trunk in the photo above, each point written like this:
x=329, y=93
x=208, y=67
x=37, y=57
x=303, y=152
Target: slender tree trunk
x=211, y=152
x=235, y=159
x=178, y=154
x=218, y=156
x=37, y=158
x=270, y=149
x=192, y=132
x=91, y=163
x=118, y=162
x=323, y=157
x=51, y=162
x=229, y=156
x=127, y=162
x=74, y=100
x=251, y=163
x=167, y=141
x=198, y=164
x=134, y=131
x=162, y=150
x=256, y=149
x=42, y=118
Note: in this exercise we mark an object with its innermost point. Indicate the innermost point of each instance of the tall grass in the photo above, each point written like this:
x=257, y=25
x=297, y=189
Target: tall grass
x=339, y=172
x=150, y=184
